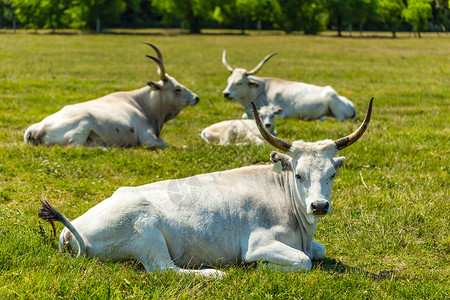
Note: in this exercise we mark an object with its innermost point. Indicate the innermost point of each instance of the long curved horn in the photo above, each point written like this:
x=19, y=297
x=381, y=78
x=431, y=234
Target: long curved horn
x=350, y=139
x=271, y=139
x=224, y=61
x=159, y=61
x=156, y=50
x=259, y=66
x=161, y=69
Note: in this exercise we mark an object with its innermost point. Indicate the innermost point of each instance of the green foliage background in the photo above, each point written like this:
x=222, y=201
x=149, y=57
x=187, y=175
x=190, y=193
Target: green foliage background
x=308, y=16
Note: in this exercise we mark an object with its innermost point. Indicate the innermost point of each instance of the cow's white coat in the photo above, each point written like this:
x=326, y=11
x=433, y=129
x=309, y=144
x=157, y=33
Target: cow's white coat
x=297, y=99
x=121, y=119
x=241, y=131
x=250, y=214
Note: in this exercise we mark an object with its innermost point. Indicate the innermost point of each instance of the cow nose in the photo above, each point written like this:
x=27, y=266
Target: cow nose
x=196, y=100
x=320, y=208
x=268, y=125
x=226, y=95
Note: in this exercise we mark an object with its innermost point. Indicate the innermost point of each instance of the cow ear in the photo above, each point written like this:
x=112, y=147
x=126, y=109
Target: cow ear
x=283, y=158
x=252, y=83
x=338, y=162
x=277, y=110
x=154, y=86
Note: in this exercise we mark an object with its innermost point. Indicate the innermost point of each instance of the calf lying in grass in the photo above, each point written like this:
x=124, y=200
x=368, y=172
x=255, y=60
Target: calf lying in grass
x=242, y=131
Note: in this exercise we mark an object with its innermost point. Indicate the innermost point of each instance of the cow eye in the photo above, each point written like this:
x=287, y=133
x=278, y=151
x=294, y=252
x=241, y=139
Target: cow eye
x=299, y=177
x=332, y=176
x=177, y=90
x=239, y=83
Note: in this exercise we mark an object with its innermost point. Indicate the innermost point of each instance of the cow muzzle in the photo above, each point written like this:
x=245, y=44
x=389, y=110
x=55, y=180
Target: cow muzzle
x=320, y=208
x=227, y=95
x=196, y=100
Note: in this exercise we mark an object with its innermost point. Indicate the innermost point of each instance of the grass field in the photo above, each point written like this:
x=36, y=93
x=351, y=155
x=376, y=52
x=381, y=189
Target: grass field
x=387, y=238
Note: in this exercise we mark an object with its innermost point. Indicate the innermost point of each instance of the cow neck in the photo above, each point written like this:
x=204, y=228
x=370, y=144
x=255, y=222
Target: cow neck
x=151, y=105
x=305, y=226
x=258, y=100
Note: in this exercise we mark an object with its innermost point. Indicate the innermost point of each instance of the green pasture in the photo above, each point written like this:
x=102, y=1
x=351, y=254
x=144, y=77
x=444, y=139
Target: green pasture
x=388, y=236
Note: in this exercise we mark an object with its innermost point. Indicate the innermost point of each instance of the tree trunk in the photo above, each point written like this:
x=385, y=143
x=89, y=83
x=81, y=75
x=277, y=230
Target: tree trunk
x=195, y=29
x=192, y=20
x=314, y=28
x=97, y=25
x=194, y=26
x=339, y=25
x=243, y=23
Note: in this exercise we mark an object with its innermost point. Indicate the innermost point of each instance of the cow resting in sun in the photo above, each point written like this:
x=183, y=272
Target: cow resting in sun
x=297, y=99
x=121, y=119
x=251, y=214
x=242, y=131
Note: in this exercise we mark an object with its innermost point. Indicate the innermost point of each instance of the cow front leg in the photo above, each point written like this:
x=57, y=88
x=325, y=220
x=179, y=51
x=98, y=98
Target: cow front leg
x=317, y=251
x=156, y=143
x=147, y=138
x=280, y=257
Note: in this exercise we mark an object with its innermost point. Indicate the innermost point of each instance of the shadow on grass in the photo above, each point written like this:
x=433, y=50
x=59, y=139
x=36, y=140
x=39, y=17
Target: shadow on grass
x=336, y=267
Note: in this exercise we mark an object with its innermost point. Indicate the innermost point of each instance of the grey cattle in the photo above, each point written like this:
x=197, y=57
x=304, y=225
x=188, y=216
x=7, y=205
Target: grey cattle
x=250, y=214
x=121, y=119
x=297, y=99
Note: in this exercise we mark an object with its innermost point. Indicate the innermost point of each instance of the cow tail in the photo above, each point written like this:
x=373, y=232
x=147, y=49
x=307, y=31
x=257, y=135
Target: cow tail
x=50, y=214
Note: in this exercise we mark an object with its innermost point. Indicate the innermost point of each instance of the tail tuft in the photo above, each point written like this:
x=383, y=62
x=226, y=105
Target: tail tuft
x=50, y=214
x=47, y=212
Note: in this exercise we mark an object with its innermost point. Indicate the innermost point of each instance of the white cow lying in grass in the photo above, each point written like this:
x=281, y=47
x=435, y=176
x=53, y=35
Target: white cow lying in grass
x=297, y=99
x=248, y=215
x=121, y=119
x=242, y=131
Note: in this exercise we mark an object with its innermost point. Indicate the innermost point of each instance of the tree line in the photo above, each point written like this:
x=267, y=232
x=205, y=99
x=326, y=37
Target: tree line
x=308, y=16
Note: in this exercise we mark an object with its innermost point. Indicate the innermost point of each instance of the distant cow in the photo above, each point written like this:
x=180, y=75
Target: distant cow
x=242, y=131
x=250, y=214
x=121, y=119
x=297, y=99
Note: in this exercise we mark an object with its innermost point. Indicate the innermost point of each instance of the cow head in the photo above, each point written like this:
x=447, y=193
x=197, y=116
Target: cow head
x=313, y=165
x=172, y=92
x=267, y=115
x=241, y=84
